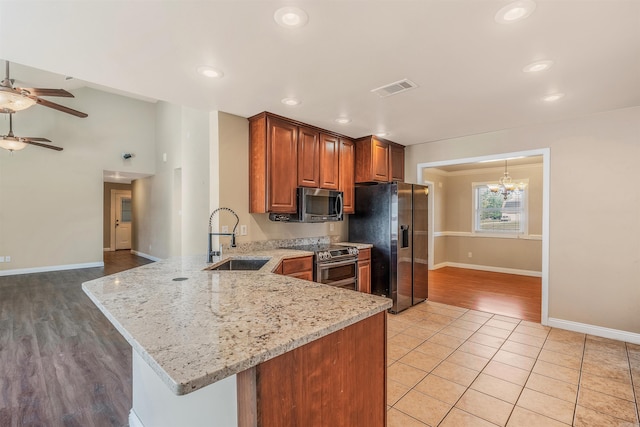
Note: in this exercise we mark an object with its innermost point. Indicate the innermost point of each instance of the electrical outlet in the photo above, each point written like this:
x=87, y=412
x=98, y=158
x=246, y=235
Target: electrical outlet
x=332, y=226
x=7, y=258
x=243, y=230
x=1, y=259
x=225, y=229
x=470, y=254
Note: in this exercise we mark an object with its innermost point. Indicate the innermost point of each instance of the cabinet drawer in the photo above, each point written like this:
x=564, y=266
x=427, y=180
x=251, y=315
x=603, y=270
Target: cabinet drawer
x=297, y=265
x=364, y=255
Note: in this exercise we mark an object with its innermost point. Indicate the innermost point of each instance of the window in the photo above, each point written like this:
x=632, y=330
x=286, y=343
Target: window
x=495, y=214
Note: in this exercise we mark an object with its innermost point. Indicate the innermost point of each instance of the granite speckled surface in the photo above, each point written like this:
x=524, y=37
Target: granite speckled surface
x=214, y=324
x=357, y=245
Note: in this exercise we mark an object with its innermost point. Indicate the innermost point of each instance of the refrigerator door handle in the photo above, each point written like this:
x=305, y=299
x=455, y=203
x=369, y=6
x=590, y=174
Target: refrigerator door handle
x=404, y=236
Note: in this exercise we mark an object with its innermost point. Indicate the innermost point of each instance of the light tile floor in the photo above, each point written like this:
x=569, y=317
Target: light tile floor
x=450, y=366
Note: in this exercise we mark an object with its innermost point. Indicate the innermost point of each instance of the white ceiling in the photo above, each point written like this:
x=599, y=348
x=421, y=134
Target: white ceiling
x=467, y=66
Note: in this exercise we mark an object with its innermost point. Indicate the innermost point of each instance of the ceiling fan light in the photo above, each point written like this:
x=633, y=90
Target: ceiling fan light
x=12, y=101
x=12, y=144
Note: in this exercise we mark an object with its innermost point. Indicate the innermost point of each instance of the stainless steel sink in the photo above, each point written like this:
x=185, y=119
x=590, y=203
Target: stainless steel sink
x=240, y=264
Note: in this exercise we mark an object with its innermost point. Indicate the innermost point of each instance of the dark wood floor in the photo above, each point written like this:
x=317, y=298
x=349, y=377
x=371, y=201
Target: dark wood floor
x=61, y=362
x=506, y=294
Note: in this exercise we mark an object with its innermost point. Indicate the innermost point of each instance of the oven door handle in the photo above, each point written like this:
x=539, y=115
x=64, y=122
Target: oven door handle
x=342, y=282
x=325, y=265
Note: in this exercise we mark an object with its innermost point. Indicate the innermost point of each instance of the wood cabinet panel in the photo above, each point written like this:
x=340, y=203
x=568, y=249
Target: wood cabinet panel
x=329, y=162
x=272, y=151
x=397, y=163
x=347, y=174
x=378, y=160
x=364, y=271
x=297, y=265
x=308, y=157
x=337, y=380
x=282, y=152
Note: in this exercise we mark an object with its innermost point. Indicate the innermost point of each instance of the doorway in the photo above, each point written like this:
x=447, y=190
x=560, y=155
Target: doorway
x=462, y=252
x=121, y=218
x=117, y=209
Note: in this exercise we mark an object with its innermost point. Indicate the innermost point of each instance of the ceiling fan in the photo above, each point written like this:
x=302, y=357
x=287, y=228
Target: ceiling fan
x=15, y=143
x=14, y=99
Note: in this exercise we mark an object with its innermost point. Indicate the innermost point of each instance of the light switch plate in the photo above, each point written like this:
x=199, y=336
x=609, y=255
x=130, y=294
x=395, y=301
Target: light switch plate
x=243, y=230
x=1, y=259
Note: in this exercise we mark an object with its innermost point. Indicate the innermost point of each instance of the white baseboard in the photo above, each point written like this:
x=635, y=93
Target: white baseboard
x=147, y=256
x=50, y=268
x=134, y=421
x=489, y=268
x=598, y=331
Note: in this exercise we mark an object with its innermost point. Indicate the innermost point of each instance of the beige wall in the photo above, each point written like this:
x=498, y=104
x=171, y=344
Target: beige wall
x=171, y=207
x=106, y=205
x=51, y=203
x=594, y=260
x=233, y=173
x=453, y=207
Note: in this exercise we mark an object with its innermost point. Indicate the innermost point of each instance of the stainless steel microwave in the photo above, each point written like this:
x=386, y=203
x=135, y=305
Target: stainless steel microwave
x=314, y=205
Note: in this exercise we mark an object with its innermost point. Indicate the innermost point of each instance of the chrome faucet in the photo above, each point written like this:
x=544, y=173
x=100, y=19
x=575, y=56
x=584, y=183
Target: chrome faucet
x=210, y=252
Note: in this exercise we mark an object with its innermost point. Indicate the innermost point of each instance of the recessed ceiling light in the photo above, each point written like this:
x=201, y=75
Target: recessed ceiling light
x=515, y=11
x=343, y=120
x=291, y=17
x=208, y=71
x=553, y=97
x=382, y=134
x=534, y=67
x=290, y=101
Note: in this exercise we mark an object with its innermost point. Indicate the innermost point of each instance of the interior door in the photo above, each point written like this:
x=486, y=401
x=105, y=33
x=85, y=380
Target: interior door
x=420, y=243
x=123, y=221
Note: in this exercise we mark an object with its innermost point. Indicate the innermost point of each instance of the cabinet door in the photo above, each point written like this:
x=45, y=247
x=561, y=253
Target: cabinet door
x=308, y=158
x=364, y=276
x=329, y=165
x=347, y=174
x=397, y=163
x=380, y=160
x=282, y=152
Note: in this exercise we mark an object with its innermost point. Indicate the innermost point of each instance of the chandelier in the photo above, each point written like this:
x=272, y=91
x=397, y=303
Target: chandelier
x=505, y=185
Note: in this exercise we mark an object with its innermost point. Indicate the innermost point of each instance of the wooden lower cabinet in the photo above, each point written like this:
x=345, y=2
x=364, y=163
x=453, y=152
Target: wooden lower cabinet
x=326, y=382
x=364, y=271
x=301, y=267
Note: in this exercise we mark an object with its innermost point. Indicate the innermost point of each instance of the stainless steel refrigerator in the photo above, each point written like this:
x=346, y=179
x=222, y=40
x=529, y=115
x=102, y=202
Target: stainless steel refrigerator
x=394, y=218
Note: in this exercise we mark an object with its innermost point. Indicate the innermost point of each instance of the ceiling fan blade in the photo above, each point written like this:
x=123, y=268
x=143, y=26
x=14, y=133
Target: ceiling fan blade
x=58, y=107
x=38, y=91
x=30, y=141
x=35, y=139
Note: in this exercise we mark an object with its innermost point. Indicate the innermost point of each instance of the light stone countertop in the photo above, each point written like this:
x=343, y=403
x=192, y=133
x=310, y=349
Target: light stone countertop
x=218, y=323
x=357, y=245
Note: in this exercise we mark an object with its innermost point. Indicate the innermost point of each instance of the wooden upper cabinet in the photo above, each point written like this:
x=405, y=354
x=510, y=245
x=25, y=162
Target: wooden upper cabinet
x=378, y=160
x=347, y=174
x=397, y=163
x=285, y=154
x=273, y=152
x=329, y=162
x=308, y=157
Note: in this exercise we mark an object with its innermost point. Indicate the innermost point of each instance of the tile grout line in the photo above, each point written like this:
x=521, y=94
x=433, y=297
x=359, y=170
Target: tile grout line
x=633, y=384
x=438, y=364
x=575, y=409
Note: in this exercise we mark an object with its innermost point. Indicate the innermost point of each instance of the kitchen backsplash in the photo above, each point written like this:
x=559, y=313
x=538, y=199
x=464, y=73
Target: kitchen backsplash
x=281, y=243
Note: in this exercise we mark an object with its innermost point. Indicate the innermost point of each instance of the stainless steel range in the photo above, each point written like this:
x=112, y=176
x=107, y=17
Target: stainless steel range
x=334, y=265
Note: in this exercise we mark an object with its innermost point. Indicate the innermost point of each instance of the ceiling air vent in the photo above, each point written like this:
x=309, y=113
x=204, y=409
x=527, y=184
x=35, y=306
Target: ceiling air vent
x=394, y=88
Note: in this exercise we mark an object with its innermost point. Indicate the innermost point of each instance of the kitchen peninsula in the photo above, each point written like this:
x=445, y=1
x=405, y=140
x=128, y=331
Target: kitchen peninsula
x=247, y=348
